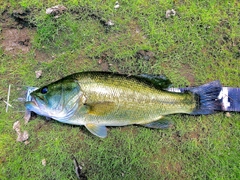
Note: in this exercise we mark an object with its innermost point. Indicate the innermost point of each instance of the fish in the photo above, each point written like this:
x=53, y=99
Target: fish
x=100, y=99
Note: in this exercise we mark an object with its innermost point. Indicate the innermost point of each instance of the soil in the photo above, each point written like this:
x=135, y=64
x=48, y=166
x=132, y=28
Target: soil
x=15, y=36
x=17, y=31
x=16, y=41
x=187, y=72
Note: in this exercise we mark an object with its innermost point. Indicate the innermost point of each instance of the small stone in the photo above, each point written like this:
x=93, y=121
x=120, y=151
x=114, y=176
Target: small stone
x=110, y=23
x=170, y=13
x=228, y=114
x=117, y=5
x=173, y=12
x=44, y=162
x=38, y=74
x=26, y=142
x=137, y=30
x=100, y=61
x=56, y=10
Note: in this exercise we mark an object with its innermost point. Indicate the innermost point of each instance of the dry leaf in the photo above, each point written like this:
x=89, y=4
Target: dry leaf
x=21, y=136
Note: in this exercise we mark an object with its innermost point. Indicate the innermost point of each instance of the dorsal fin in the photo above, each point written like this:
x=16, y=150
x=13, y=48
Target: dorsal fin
x=158, y=81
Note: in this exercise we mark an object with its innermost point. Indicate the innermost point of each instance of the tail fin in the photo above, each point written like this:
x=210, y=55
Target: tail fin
x=207, y=98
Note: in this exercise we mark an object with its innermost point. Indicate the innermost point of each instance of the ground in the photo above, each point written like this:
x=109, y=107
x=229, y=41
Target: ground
x=201, y=43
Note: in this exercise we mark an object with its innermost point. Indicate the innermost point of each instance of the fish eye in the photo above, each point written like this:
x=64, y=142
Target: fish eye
x=44, y=90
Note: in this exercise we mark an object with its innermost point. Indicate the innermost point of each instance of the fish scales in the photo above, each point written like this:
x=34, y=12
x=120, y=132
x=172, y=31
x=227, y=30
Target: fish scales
x=100, y=99
x=121, y=90
x=151, y=103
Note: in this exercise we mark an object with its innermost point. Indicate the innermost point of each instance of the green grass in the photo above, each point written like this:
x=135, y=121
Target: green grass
x=199, y=45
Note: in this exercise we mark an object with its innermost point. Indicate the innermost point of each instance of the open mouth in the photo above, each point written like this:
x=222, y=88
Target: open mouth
x=33, y=100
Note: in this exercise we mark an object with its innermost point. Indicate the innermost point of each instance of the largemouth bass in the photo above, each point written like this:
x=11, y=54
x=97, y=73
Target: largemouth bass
x=100, y=99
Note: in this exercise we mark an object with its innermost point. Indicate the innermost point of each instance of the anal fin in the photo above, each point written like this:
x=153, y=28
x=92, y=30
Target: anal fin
x=98, y=130
x=160, y=124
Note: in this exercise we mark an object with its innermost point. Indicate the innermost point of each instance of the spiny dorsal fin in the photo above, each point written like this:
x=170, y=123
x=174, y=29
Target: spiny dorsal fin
x=158, y=81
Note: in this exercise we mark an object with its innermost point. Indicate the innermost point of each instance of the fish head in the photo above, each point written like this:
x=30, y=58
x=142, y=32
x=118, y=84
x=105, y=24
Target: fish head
x=58, y=100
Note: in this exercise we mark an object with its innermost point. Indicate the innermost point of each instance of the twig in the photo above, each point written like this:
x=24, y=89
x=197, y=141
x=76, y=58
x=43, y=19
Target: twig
x=7, y=104
x=9, y=89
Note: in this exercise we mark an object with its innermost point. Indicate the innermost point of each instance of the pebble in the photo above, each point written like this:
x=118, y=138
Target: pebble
x=38, y=74
x=56, y=10
x=44, y=162
x=117, y=5
x=170, y=13
x=228, y=114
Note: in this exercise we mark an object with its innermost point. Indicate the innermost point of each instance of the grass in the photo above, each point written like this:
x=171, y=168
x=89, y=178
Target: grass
x=199, y=45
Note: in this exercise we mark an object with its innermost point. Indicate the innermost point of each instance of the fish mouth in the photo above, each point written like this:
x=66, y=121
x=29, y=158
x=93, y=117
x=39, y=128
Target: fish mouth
x=35, y=106
x=34, y=101
x=32, y=105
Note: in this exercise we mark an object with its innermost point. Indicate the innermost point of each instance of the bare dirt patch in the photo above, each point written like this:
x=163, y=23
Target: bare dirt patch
x=187, y=72
x=16, y=41
x=41, y=56
x=15, y=36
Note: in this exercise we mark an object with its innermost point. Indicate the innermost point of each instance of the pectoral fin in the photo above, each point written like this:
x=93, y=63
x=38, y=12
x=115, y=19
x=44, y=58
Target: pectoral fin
x=100, y=131
x=160, y=124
